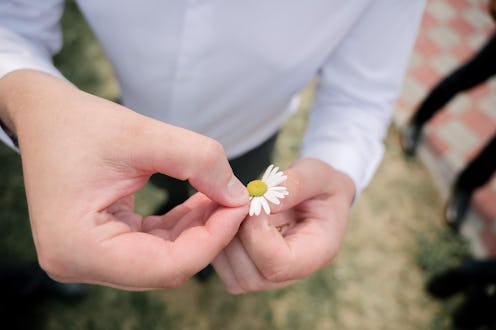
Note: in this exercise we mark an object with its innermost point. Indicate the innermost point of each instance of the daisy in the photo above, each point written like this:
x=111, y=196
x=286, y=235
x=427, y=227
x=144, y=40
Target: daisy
x=266, y=190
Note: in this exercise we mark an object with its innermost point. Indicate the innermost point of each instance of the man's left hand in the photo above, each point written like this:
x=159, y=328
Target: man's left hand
x=301, y=236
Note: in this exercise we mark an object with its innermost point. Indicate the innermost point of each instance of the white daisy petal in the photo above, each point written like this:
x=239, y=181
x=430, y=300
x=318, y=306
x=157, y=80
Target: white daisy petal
x=271, y=177
x=271, y=197
x=252, y=208
x=283, y=191
x=277, y=194
x=255, y=206
x=275, y=180
x=267, y=173
x=280, y=188
x=275, y=171
x=265, y=205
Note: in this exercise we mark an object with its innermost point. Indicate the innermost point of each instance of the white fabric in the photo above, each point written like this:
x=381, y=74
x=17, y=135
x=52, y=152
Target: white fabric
x=229, y=69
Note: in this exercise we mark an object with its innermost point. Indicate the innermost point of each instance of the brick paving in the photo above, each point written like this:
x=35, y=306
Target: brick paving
x=451, y=31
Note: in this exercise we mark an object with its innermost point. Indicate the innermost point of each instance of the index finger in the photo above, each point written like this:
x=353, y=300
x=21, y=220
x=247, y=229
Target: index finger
x=185, y=155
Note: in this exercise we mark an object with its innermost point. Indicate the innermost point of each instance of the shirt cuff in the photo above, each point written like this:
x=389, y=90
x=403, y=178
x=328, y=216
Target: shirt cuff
x=343, y=157
x=17, y=53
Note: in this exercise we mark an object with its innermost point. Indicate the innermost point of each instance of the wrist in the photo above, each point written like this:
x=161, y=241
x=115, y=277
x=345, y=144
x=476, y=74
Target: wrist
x=21, y=93
x=7, y=93
x=15, y=90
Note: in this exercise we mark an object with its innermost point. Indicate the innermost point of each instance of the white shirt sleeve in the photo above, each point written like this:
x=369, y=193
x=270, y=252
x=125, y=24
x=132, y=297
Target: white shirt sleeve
x=358, y=88
x=29, y=36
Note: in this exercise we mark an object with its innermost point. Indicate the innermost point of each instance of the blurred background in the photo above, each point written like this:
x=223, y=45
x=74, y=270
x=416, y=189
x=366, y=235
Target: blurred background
x=396, y=241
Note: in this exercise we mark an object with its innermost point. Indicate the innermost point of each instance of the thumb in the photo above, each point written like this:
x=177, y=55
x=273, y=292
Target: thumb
x=186, y=155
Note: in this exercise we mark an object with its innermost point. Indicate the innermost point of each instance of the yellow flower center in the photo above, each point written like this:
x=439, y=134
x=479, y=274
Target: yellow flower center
x=256, y=188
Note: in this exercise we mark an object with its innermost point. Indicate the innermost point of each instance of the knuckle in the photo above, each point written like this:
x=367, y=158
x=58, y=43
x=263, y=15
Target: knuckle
x=247, y=285
x=276, y=274
x=235, y=290
x=255, y=286
x=275, y=277
x=211, y=151
x=210, y=158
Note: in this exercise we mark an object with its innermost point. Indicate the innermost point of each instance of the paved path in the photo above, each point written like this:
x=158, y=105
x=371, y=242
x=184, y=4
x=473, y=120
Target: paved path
x=451, y=31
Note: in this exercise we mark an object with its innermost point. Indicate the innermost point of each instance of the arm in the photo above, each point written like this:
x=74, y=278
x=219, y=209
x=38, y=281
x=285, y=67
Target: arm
x=358, y=88
x=342, y=149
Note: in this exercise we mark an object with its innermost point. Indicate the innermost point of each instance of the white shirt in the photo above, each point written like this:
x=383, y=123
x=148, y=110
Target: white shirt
x=229, y=69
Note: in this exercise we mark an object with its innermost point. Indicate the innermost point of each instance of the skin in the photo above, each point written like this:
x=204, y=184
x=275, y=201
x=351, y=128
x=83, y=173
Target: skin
x=314, y=217
x=83, y=160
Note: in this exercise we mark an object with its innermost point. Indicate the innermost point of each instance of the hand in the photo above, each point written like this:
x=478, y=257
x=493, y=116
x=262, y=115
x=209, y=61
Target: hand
x=84, y=158
x=302, y=235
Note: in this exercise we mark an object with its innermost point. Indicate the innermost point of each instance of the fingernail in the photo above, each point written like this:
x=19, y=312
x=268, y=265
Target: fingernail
x=237, y=190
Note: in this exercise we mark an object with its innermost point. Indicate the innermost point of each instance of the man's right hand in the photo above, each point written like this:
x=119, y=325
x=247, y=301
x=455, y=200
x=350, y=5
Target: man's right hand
x=83, y=160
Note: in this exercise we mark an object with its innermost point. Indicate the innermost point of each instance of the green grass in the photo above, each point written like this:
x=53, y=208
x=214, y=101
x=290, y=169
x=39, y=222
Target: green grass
x=393, y=246
x=16, y=244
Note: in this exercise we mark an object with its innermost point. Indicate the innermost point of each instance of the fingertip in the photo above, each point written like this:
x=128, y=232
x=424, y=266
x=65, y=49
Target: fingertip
x=236, y=193
x=254, y=225
x=227, y=219
x=226, y=192
x=281, y=207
